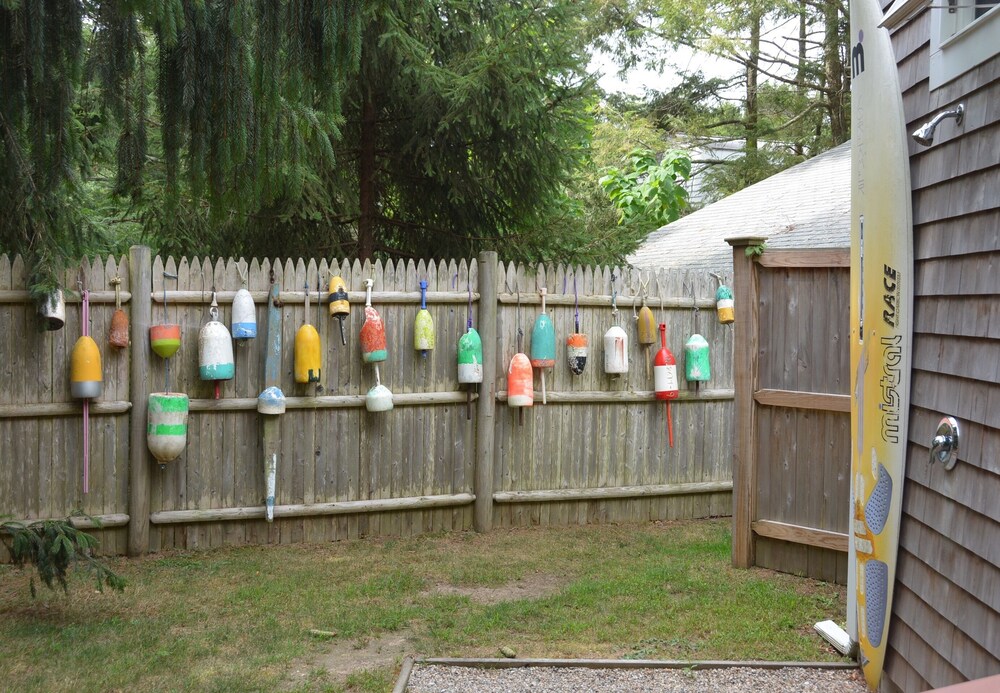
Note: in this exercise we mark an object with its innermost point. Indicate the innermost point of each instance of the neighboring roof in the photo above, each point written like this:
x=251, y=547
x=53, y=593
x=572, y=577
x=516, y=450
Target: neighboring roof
x=805, y=206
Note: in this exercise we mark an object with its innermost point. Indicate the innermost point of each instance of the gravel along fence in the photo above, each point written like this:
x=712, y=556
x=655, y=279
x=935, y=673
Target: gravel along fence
x=433, y=678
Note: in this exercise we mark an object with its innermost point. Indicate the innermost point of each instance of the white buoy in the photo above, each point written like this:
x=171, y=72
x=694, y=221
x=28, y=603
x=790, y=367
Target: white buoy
x=615, y=351
x=215, y=348
x=244, y=320
x=379, y=398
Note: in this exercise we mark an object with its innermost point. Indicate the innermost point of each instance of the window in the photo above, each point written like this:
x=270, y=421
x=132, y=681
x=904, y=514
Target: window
x=964, y=33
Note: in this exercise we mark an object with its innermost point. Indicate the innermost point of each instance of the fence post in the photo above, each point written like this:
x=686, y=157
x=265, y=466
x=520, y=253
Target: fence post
x=140, y=306
x=486, y=406
x=745, y=347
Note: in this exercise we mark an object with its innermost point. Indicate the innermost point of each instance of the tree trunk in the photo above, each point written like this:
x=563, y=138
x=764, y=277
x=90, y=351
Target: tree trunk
x=800, y=76
x=835, y=77
x=366, y=178
x=752, y=113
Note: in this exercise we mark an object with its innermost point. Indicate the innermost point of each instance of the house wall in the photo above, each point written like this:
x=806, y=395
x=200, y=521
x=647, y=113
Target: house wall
x=945, y=624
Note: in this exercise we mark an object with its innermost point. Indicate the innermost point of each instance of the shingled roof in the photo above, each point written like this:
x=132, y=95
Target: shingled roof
x=805, y=206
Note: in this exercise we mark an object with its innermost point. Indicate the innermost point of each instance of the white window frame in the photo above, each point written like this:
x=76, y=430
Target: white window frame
x=959, y=41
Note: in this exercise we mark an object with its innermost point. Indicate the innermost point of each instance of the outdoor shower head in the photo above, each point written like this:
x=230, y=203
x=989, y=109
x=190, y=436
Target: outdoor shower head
x=925, y=133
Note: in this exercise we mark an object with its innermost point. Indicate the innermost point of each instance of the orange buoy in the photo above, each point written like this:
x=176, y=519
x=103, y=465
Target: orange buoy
x=118, y=332
x=165, y=338
x=520, y=390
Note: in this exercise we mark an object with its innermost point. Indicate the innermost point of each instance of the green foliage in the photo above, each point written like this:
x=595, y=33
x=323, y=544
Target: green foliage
x=247, y=95
x=754, y=251
x=40, y=64
x=53, y=547
x=786, y=99
x=464, y=125
x=648, y=191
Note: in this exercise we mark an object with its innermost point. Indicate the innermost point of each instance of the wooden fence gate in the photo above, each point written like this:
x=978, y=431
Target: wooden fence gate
x=791, y=457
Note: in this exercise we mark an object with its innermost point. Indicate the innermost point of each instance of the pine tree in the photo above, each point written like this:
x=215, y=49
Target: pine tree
x=243, y=91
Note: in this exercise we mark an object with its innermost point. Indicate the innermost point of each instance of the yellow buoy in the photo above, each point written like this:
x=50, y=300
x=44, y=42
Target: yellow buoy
x=85, y=377
x=308, y=357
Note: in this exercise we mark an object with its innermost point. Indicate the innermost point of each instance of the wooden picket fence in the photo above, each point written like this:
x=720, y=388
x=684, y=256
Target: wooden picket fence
x=596, y=452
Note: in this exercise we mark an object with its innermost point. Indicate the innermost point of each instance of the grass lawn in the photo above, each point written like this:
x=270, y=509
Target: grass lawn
x=241, y=619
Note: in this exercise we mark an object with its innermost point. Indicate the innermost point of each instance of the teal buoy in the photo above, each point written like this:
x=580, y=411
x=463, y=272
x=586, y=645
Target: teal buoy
x=543, y=343
x=697, y=367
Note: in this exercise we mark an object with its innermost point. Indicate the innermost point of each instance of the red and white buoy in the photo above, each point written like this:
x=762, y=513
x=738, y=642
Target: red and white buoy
x=665, y=378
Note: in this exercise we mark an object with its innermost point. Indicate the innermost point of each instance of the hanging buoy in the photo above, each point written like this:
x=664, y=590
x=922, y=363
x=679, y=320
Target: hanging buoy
x=577, y=343
x=53, y=310
x=340, y=308
x=615, y=351
x=665, y=378
x=615, y=341
x=724, y=305
x=577, y=347
x=118, y=332
x=520, y=388
x=470, y=357
x=308, y=356
x=646, y=329
x=244, y=315
x=166, y=426
x=379, y=398
x=86, y=380
x=373, y=347
x=215, y=349
x=165, y=338
x=423, y=325
x=271, y=401
x=543, y=343
x=646, y=325
x=697, y=367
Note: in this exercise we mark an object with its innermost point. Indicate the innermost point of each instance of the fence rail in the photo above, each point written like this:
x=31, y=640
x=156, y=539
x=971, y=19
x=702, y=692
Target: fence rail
x=442, y=459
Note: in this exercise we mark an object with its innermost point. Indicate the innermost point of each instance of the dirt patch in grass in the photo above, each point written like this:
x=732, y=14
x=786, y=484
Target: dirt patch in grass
x=348, y=657
x=534, y=586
